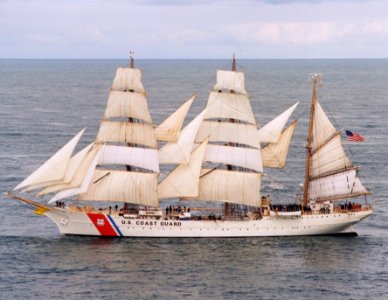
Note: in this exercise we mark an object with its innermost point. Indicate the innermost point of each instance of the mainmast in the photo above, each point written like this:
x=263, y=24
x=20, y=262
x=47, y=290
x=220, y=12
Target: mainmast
x=132, y=59
x=234, y=67
x=229, y=167
x=316, y=79
x=132, y=66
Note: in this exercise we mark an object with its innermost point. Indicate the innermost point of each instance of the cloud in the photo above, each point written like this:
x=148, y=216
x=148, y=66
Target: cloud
x=282, y=33
x=377, y=27
x=189, y=28
x=238, y=2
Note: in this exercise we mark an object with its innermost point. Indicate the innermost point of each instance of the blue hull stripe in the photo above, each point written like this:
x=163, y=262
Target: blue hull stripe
x=114, y=225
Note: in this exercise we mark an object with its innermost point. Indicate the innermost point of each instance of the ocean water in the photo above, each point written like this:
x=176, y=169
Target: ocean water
x=45, y=102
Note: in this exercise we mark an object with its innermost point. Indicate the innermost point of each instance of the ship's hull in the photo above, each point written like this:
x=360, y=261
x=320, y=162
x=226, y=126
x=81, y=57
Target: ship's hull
x=113, y=225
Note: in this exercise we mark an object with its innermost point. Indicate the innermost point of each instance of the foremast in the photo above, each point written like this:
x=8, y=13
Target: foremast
x=230, y=167
x=121, y=165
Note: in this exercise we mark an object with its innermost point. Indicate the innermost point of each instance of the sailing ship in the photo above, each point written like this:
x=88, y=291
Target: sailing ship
x=218, y=158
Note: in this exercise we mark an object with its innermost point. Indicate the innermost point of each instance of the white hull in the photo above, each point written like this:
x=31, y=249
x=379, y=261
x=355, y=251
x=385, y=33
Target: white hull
x=102, y=224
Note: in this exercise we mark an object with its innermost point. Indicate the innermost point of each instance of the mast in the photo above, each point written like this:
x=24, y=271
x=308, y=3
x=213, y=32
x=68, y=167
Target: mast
x=132, y=66
x=315, y=78
x=132, y=60
x=229, y=167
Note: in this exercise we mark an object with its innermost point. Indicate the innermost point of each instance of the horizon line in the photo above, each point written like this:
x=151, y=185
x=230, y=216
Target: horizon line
x=190, y=58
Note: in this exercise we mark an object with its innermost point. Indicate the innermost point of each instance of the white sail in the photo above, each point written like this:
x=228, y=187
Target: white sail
x=179, y=152
x=235, y=156
x=274, y=155
x=183, y=181
x=41, y=185
x=133, y=156
x=244, y=134
x=271, y=132
x=128, y=79
x=54, y=168
x=127, y=132
x=79, y=174
x=329, y=158
x=71, y=169
x=122, y=186
x=230, y=106
x=323, y=129
x=230, y=80
x=230, y=186
x=127, y=105
x=76, y=164
x=170, y=128
x=82, y=178
x=332, y=175
x=340, y=185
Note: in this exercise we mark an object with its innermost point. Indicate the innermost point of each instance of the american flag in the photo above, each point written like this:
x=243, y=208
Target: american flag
x=354, y=137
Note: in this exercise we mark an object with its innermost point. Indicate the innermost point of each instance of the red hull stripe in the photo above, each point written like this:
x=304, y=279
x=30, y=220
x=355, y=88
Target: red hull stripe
x=102, y=224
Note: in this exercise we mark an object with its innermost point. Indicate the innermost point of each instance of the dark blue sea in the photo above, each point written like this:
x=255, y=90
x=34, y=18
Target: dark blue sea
x=43, y=103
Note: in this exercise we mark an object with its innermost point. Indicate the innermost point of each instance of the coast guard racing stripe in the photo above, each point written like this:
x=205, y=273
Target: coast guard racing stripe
x=114, y=225
x=102, y=224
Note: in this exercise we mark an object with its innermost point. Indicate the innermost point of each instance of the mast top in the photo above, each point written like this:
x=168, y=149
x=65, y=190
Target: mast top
x=316, y=78
x=234, y=67
x=132, y=59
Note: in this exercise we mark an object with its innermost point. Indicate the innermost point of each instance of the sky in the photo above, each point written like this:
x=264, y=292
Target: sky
x=194, y=29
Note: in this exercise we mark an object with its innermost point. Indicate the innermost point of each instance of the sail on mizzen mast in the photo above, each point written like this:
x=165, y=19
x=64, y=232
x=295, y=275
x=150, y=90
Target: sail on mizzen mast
x=332, y=175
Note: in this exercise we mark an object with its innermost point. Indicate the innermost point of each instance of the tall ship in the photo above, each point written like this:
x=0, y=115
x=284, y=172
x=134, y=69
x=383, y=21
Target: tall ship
x=113, y=187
